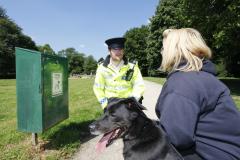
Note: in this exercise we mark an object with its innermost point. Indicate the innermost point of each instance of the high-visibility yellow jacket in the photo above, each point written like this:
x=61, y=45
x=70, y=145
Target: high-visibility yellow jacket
x=110, y=83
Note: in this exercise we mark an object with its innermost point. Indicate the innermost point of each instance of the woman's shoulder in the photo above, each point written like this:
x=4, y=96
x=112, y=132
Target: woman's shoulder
x=188, y=83
x=191, y=77
x=194, y=83
x=180, y=78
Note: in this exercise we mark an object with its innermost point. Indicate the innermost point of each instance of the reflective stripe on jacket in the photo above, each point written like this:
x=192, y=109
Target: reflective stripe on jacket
x=110, y=83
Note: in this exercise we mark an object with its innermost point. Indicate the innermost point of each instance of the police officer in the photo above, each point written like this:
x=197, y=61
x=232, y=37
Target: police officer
x=115, y=76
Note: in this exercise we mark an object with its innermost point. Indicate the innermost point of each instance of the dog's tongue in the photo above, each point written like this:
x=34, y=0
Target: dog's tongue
x=101, y=145
x=105, y=140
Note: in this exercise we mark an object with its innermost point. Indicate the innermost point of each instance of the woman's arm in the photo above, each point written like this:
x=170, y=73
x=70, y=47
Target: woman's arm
x=179, y=116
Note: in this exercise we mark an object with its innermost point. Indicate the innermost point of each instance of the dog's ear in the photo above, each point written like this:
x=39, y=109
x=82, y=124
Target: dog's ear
x=133, y=101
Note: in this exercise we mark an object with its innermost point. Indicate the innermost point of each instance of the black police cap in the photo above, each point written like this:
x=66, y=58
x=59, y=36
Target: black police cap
x=116, y=42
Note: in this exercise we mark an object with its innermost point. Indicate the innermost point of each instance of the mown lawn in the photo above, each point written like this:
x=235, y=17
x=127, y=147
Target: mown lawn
x=234, y=86
x=59, y=142
x=232, y=83
x=156, y=80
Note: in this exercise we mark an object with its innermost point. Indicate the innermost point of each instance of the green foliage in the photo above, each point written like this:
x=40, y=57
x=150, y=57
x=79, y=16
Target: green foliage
x=221, y=69
x=46, y=48
x=76, y=62
x=11, y=36
x=219, y=22
x=3, y=13
x=169, y=14
x=135, y=47
x=90, y=65
x=156, y=73
x=68, y=52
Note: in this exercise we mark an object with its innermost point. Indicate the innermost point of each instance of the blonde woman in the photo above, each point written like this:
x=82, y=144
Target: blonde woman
x=195, y=108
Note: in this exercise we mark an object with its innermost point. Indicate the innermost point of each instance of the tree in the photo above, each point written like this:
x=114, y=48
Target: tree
x=76, y=63
x=169, y=14
x=11, y=36
x=218, y=21
x=75, y=59
x=90, y=65
x=3, y=13
x=46, y=48
x=135, y=47
x=68, y=52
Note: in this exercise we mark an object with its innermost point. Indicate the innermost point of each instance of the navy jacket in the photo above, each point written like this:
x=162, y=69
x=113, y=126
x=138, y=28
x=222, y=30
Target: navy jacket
x=198, y=113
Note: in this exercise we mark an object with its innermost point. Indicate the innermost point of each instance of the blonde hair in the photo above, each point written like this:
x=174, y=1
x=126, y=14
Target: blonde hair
x=186, y=46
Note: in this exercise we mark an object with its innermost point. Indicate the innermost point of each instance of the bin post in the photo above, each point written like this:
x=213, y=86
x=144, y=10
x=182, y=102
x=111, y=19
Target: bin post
x=34, y=139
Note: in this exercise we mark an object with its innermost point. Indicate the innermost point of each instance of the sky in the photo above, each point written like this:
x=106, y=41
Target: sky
x=81, y=24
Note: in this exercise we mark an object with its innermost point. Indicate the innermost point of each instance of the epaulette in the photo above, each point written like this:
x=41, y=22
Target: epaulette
x=132, y=63
x=101, y=62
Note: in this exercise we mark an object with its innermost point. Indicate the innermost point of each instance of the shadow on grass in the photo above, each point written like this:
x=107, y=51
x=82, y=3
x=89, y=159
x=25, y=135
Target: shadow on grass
x=233, y=85
x=68, y=136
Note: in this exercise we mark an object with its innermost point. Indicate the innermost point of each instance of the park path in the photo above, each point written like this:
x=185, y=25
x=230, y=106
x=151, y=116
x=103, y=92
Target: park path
x=114, y=152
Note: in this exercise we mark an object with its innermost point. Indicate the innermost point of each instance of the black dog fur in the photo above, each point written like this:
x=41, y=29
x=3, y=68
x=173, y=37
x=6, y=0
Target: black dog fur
x=142, y=138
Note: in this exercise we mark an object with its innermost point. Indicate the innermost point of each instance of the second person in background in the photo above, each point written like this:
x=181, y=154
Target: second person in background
x=116, y=77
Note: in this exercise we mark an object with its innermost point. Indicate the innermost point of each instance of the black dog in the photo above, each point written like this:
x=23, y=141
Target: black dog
x=142, y=138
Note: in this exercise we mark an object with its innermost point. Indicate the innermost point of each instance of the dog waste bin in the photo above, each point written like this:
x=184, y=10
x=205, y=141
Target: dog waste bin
x=42, y=90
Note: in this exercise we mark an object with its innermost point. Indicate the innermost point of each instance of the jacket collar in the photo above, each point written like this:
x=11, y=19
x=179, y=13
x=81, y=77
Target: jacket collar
x=208, y=67
x=107, y=61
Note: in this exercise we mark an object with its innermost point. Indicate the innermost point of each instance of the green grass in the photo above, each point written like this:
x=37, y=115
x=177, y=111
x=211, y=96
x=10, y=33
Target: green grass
x=156, y=80
x=234, y=86
x=59, y=142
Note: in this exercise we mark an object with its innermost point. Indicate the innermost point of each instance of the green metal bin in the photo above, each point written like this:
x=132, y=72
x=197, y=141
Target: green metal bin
x=42, y=90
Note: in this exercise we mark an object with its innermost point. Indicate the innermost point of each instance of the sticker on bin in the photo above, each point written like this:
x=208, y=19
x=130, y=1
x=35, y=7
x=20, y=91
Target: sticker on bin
x=57, y=88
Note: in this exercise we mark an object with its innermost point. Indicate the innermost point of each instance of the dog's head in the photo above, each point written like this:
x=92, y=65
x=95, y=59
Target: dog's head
x=117, y=118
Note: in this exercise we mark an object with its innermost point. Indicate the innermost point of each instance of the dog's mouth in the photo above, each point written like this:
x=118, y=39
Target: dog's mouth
x=108, y=139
